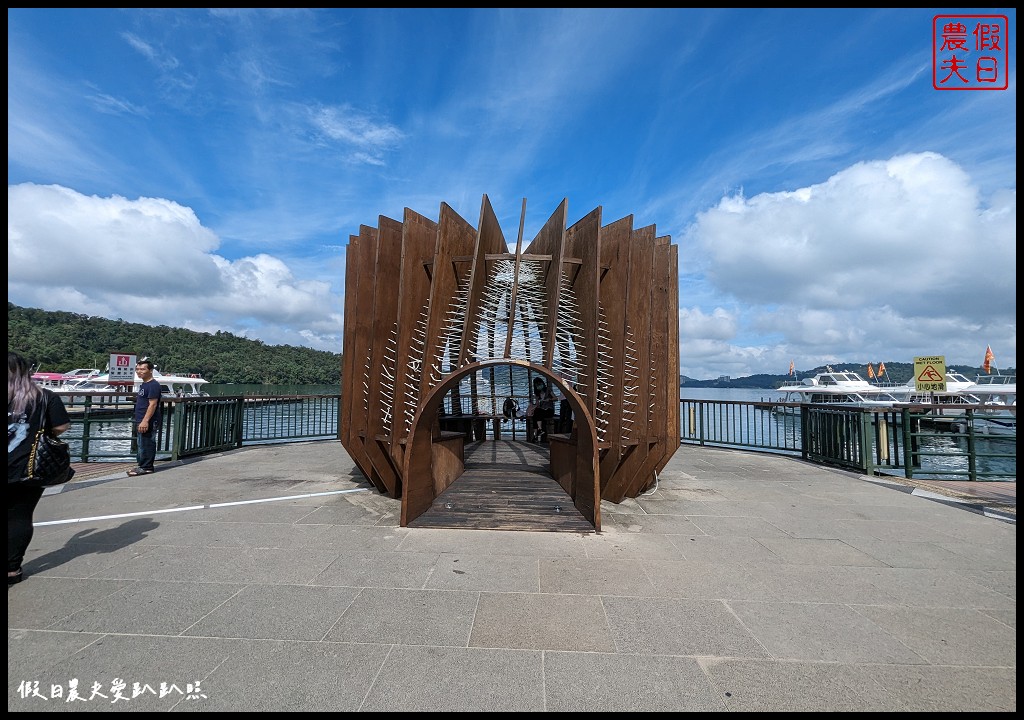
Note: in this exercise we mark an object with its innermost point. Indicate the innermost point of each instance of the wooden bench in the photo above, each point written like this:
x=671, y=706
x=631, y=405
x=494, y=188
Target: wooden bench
x=473, y=426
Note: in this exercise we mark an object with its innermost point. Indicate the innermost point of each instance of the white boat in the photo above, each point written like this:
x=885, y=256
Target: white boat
x=170, y=385
x=845, y=388
x=54, y=381
x=993, y=403
x=80, y=373
x=958, y=392
x=996, y=389
x=998, y=394
x=948, y=406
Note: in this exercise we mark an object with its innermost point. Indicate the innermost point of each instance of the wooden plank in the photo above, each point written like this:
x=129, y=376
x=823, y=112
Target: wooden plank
x=419, y=241
x=583, y=240
x=455, y=237
x=489, y=239
x=347, y=368
x=550, y=240
x=506, y=486
x=672, y=419
x=638, y=336
x=613, y=286
x=663, y=311
x=384, y=326
x=638, y=319
x=365, y=257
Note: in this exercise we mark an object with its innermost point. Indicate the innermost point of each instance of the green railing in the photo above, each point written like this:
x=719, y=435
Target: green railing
x=908, y=441
x=102, y=429
x=912, y=441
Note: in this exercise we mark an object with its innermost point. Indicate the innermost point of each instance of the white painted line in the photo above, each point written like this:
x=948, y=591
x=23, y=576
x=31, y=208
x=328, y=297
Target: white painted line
x=196, y=507
x=115, y=517
x=287, y=497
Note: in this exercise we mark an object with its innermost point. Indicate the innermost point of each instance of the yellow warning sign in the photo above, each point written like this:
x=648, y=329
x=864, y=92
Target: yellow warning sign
x=930, y=373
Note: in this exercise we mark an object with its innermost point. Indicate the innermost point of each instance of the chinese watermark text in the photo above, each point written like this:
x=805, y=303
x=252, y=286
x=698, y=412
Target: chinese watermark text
x=970, y=52
x=117, y=691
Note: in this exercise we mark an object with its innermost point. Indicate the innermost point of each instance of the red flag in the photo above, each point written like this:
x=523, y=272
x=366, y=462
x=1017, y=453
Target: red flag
x=871, y=372
x=989, y=357
x=881, y=369
x=792, y=367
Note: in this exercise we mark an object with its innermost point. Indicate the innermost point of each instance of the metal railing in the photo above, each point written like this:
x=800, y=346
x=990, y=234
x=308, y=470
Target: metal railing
x=102, y=429
x=923, y=441
x=911, y=441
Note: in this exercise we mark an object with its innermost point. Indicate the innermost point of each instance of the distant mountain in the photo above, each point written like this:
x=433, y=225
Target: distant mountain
x=895, y=373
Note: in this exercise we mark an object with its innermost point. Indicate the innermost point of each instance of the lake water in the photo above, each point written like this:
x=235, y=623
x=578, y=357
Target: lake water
x=738, y=394
x=224, y=389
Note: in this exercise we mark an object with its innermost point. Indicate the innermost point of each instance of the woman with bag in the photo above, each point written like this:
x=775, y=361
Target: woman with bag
x=29, y=407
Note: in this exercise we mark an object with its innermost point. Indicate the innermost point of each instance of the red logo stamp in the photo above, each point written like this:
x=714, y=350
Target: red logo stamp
x=970, y=52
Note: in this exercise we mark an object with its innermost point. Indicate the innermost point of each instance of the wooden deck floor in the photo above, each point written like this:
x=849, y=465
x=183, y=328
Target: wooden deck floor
x=507, y=485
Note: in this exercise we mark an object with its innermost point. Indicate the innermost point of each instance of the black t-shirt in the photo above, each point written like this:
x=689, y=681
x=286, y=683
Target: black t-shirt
x=149, y=390
x=21, y=431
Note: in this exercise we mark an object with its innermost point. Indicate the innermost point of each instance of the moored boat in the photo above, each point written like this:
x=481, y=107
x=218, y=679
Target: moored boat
x=998, y=393
x=170, y=385
x=958, y=392
x=845, y=388
x=55, y=381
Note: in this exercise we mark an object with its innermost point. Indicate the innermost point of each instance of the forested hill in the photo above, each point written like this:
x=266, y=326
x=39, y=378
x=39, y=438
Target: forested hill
x=61, y=341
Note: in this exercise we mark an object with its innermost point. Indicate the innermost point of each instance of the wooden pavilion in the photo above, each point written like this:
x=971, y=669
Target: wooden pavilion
x=439, y=313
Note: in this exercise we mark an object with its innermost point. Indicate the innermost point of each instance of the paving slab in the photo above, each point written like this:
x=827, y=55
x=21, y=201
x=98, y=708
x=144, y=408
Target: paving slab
x=274, y=578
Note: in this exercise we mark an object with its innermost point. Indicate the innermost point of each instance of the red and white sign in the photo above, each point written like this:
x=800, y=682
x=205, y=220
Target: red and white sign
x=122, y=368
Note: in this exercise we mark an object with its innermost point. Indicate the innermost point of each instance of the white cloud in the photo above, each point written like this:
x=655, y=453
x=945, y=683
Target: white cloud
x=370, y=136
x=694, y=323
x=885, y=260
x=908, y=232
x=151, y=260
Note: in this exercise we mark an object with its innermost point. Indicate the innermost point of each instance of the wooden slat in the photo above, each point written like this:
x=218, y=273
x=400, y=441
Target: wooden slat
x=638, y=322
x=672, y=430
x=419, y=240
x=348, y=367
x=613, y=286
x=488, y=240
x=362, y=310
x=455, y=237
x=583, y=240
x=550, y=240
x=384, y=321
x=506, y=486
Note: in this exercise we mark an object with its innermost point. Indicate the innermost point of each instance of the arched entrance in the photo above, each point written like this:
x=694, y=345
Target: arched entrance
x=429, y=467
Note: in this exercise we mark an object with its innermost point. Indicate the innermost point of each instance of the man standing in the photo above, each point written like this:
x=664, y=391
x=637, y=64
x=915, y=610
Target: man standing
x=147, y=417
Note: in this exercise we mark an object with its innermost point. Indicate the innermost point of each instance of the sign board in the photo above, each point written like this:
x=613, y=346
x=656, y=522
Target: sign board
x=122, y=368
x=930, y=373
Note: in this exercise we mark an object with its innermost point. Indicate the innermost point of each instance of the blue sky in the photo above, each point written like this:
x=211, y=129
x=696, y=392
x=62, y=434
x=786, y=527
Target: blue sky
x=205, y=168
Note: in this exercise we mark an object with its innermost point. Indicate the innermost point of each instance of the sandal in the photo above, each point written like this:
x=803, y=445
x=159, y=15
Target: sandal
x=139, y=471
x=15, y=578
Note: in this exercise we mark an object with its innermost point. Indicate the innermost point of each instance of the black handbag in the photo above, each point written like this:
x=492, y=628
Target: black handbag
x=49, y=460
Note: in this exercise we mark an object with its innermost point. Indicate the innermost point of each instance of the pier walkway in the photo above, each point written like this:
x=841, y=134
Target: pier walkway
x=272, y=578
